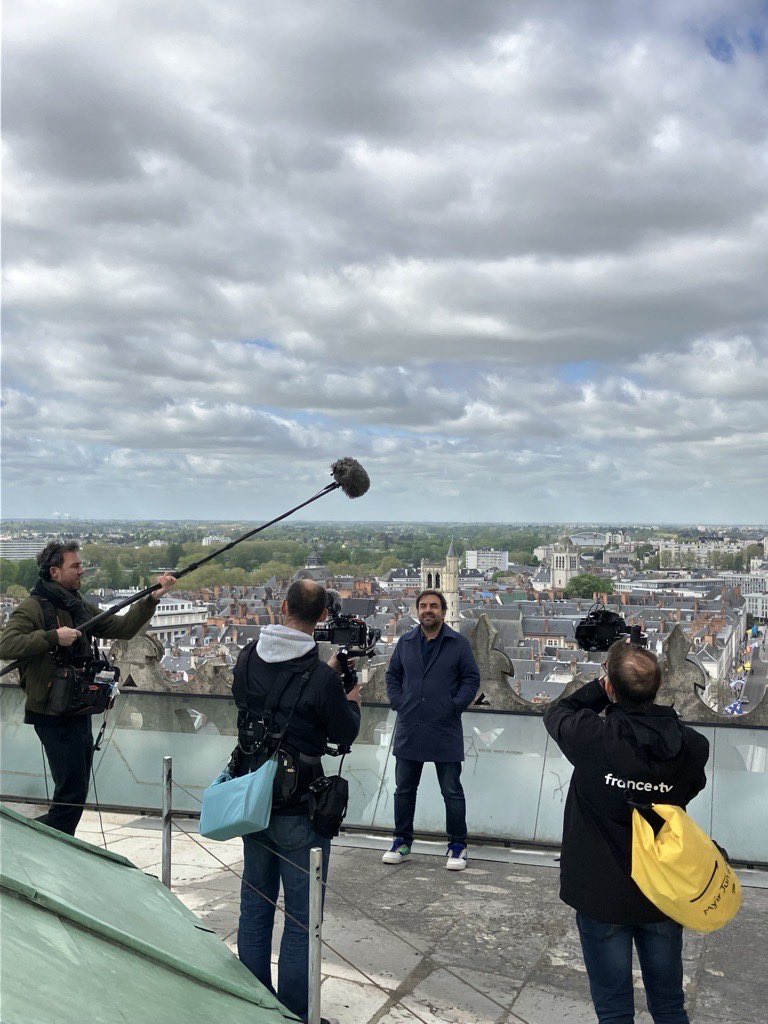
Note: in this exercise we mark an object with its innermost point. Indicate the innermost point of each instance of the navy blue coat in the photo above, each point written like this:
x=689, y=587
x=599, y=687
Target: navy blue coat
x=429, y=700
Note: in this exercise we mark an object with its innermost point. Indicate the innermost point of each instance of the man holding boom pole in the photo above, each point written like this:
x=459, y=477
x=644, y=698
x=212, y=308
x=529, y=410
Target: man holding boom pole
x=43, y=634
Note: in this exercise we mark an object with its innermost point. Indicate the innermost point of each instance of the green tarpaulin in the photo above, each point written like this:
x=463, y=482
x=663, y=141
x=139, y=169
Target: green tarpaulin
x=87, y=937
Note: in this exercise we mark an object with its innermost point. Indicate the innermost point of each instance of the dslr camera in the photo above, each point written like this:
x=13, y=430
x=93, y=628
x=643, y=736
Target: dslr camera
x=352, y=636
x=600, y=628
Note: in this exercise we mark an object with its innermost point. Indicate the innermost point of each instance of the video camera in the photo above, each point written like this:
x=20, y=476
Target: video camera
x=600, y=628
x=354, y=637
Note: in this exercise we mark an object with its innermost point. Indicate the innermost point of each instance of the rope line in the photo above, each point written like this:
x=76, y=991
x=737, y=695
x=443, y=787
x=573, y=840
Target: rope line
x=324, y=942
x=365, y=913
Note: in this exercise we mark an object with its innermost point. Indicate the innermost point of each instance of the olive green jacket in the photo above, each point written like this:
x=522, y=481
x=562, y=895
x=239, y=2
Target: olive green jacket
x=26, y=637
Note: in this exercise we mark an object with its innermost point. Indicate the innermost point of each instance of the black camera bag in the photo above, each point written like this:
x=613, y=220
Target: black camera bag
x=328, y=800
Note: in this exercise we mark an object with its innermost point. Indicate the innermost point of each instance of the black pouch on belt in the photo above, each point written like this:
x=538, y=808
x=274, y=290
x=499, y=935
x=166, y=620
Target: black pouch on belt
x=328, y=799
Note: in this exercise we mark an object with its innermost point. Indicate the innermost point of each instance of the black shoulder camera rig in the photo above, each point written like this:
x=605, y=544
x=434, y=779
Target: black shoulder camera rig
x=601, y=627
x=353, y=636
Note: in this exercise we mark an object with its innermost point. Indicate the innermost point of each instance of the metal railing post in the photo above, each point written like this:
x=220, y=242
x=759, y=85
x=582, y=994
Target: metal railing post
x=167, y=798
x=315, y=933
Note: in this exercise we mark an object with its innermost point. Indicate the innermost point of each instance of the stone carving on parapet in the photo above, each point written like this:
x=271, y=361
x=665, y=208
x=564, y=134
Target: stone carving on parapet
x=212, y=676
x=495, y=670
x=683, y=680
x=375, y=688
x=140, y=658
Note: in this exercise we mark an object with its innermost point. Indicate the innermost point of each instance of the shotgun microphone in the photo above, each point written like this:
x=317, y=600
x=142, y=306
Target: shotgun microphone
x=350, y=477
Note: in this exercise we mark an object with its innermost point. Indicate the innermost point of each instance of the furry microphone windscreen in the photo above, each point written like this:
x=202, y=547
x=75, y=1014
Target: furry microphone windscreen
x=351, y=477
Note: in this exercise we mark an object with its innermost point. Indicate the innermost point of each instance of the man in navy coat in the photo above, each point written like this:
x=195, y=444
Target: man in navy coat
x=431, y=679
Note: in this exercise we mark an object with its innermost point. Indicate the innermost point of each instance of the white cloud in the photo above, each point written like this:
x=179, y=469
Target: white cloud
x=512, y=255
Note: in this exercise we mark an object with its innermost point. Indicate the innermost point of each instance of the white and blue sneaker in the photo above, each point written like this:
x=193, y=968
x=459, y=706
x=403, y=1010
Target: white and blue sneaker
x=457, y=857
x=397, y=852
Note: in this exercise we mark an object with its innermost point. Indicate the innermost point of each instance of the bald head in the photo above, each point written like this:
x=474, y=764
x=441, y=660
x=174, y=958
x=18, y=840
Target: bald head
x=634, y=674
x=305, y=603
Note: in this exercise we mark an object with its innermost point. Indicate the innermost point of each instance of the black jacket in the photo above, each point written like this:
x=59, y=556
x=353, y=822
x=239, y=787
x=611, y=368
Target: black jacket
x=648, y=756
x=322, y=713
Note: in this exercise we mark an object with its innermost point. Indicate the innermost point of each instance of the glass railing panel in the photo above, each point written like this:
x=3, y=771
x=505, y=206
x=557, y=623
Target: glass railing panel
x=21, y=756
x=369, y=766
x=501, y=778
x=700, y=808
x=556, y=777
x=740, y=804
x=515, y=777
x=198, y=732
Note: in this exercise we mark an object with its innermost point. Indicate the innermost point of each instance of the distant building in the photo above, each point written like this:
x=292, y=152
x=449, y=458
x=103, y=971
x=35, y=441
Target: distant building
x=544, y=553
x=174, y=618
x=400, y=579
x=314, y=570
x=749, y=583
x=757, y=606
x=486, y=559
x=15, y=550
x=589, y=539
x=565, y=563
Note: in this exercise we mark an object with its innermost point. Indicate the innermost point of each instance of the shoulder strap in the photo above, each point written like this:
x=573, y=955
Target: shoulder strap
x=302, y=685
x=50, y=618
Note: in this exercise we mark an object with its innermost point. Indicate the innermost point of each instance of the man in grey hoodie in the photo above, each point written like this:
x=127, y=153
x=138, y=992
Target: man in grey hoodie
x=316, y=710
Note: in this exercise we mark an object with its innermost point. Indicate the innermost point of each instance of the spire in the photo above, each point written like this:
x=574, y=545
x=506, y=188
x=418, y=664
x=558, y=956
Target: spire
x=451, y=550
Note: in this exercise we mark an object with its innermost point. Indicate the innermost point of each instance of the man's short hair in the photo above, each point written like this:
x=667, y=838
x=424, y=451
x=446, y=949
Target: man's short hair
x=52, y=555
x=306, y=601
x=435, y=593
x=634, y=673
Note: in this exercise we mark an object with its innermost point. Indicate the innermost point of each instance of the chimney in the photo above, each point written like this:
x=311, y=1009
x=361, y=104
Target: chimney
x=537, y=665
x=624, y=597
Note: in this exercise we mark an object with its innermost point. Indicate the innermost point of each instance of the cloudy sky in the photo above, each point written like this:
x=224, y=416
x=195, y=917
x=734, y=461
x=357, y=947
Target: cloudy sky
x=511, y=256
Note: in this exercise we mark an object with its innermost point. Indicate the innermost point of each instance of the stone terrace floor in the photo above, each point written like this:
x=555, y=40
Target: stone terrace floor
x=499, y=925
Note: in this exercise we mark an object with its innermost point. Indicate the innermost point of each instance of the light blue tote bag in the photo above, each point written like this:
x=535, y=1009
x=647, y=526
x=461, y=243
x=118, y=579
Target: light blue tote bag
x=235, y=807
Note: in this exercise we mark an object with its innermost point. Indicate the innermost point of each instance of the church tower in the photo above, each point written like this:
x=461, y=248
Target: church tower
x=451, y=586
x=565, y=563
x=444, y=578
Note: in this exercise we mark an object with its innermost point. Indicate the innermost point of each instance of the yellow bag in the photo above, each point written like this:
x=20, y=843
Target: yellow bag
x=683, y=872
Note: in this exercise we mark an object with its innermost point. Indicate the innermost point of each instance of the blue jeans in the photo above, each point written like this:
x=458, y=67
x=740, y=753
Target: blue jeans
x=407, y=778
x=292, y=837
x=607, y=952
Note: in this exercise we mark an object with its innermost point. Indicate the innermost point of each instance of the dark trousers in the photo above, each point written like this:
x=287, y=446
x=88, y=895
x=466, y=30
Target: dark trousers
x=607, y=952
x=407, y=778
x=68, y=745
x=279, y=856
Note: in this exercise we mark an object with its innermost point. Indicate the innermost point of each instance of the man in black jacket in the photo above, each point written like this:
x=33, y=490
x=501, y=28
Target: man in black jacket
x=638, y=751
x=314, y=709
